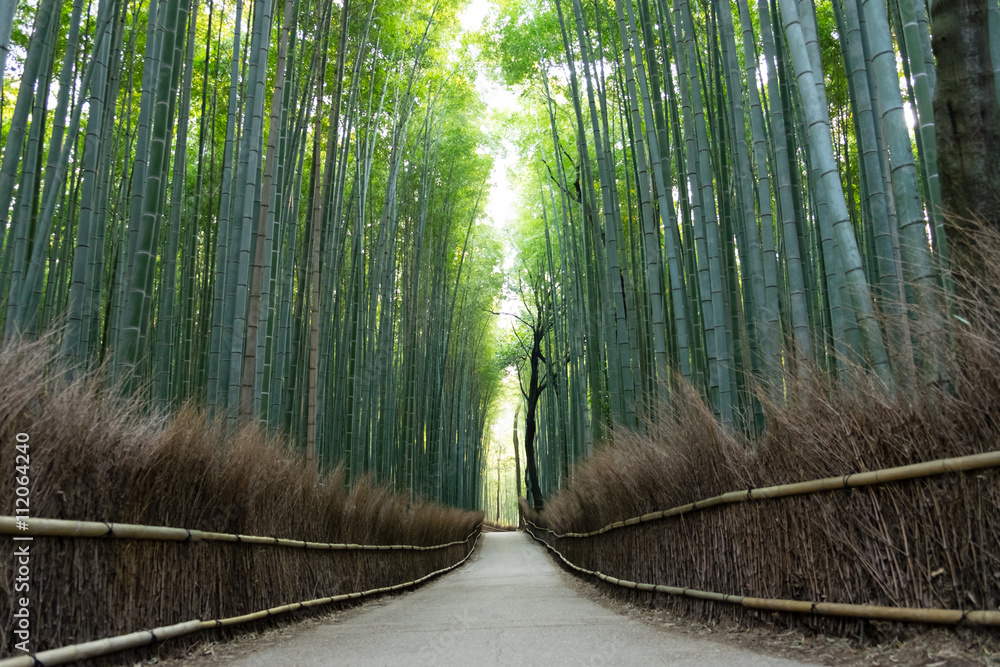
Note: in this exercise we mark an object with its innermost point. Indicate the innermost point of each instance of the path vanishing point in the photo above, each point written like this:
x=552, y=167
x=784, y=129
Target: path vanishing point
x=509, y=606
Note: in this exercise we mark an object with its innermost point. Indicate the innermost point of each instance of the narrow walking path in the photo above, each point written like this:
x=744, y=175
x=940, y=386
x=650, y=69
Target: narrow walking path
x=509, y=606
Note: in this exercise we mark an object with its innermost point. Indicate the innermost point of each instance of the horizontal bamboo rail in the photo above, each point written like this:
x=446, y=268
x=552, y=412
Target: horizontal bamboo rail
x=913, y=471
x=9, y=525
x=67, y=654
x=874, y=612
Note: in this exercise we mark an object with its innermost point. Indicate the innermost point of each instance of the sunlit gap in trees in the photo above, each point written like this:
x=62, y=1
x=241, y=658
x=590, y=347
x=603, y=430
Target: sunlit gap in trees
x=501, y=207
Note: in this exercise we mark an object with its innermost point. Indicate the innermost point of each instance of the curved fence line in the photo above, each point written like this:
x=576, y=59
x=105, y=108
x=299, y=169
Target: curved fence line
x=67, y=654
x=908, y=614
x=10, y=525
x=912, y=471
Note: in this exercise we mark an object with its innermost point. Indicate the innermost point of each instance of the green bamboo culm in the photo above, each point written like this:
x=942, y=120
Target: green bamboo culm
x=739, y=203
x=260, y=265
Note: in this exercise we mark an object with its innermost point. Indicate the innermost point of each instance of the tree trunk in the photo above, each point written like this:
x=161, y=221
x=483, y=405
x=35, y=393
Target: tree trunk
x=498, y=485
x=517, y=454
x=535, y=389
x=968, y=121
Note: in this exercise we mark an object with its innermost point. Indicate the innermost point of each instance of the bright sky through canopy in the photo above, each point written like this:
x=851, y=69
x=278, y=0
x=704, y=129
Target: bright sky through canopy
x=499, y=100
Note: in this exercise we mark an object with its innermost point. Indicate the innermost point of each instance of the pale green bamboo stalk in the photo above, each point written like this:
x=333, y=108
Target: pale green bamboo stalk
x=6, y=28
x=75, y=343
x=765, y=334
x=216, y=388
x=822, y=156
x=130, y=349
x=783, y=198
x=917, y=45
x=164, y=354
x=24, y=220
x=918, y=268
x=31, y=289
x=653, y=258
x=616, y=339
x=39, y=48
x=147, y=98
x=716, y=328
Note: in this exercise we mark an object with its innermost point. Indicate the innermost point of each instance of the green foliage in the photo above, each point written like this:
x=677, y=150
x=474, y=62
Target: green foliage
x=834, y=75
x=324, y=271
x=522, y=35
x=693, y=191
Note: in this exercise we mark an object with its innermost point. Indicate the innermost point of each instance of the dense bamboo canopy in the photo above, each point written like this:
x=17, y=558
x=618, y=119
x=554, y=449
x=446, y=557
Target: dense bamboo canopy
x=272, y=209
x=740, y=195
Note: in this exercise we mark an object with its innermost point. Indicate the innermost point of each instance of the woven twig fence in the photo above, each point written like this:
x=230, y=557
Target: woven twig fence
x=981, y=617
x=844, y=482
x=92, y=529
x=10, y=525
x=875, y=612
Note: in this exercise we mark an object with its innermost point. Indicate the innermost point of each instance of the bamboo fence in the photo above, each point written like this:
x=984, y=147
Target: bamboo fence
x=9, y=525
x=851, y=480
x=100, y=647
x=871, y=612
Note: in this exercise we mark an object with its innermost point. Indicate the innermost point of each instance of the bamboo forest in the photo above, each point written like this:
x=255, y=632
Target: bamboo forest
x=277, y=210
x=494, y=255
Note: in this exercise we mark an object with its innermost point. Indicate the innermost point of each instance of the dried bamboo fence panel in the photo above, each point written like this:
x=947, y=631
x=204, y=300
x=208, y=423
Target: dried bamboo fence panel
x=101, y=647
x=93, y=585
x=851, y=480
x=913, y=543
x=909, y=614
x=10, y=525
x=97, y=460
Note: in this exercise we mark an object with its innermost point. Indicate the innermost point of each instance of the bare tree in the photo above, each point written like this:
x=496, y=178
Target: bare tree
x=539, y=320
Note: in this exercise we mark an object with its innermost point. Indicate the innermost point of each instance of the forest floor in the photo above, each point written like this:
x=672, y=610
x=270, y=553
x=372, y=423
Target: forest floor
x=509, y=605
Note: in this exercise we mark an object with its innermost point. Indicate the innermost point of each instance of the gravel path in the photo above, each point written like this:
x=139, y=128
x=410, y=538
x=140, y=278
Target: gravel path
x=509, y=606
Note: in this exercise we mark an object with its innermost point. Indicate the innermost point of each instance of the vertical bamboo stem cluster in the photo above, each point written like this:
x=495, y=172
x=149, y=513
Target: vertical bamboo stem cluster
x=269, y=208
x=738, y=196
